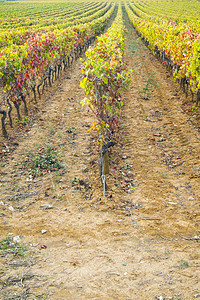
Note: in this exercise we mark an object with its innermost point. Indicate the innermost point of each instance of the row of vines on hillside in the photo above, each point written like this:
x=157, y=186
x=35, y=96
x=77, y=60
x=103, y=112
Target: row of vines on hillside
x=19, y=34
x=42, y=14
x=178, y=10
x=104, y=77
x=30, y=67
x=176, y=44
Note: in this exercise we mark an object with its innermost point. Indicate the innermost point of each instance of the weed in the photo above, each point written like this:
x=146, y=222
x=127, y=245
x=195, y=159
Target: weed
x=74, y=180
x=168, y=252
x=71, y=130
x=52, y=131
x=128, y=167
x=43, y=297
x=45, y=159
x=184, y=264
x=130, y=187
x=147, y=89
x=9, y=247
x=164, y=175
x=132, y=47
x=25, y=121
x=195, y=109
x=151, y=251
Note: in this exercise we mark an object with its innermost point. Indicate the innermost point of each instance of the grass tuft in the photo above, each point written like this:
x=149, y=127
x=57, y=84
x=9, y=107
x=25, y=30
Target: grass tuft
x=44, y=160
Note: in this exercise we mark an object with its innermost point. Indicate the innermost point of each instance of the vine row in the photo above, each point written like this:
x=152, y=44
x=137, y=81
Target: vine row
x=30, y=67
x=175, y=44
x=104, y=77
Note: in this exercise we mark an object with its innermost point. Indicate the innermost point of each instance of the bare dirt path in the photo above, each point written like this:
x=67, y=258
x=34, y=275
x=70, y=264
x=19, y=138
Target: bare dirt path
x=139, y=242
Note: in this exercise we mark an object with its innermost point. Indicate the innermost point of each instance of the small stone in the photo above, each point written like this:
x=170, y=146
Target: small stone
x=33, y=245
x=10, y=208
x=43, y=247
x=16, y=239
x=43, y=231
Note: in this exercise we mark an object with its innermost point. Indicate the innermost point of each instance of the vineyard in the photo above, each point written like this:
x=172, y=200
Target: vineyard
x=35, y=47
x=99, y=149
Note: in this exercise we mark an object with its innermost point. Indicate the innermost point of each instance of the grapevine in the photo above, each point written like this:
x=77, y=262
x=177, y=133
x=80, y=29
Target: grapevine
x=104, y=77
x=173, y=41
x=39, y=60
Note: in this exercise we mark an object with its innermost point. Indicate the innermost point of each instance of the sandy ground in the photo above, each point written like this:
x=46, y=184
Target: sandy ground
x=141, y=241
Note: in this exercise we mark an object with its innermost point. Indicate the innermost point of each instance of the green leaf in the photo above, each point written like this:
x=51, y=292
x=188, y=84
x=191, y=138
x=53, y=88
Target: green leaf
x=121, y=103
x=110, y=108
x=105, y=80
